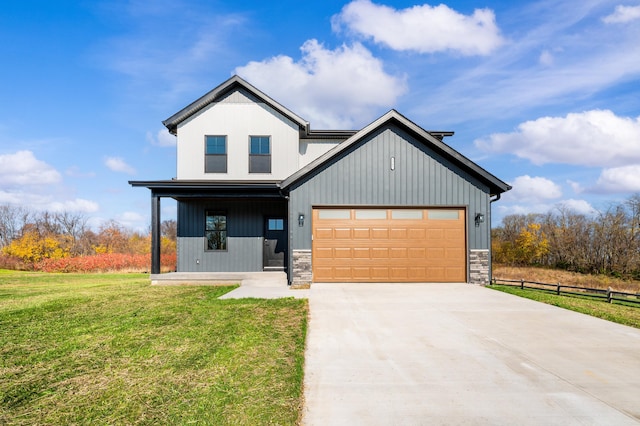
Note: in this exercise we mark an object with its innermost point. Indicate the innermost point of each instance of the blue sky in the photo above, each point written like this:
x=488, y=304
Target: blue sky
x=543, y=94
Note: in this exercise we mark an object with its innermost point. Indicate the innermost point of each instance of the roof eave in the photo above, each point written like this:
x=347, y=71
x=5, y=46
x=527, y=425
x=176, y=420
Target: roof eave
x=172, y=122
x=393, y=115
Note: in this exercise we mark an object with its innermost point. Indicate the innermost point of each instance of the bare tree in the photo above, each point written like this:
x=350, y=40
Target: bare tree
x=12, y=220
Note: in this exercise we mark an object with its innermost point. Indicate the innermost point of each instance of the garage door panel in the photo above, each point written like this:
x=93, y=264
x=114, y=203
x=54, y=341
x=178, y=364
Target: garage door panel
x=361, y=253
x=416, y=252
x=356, y=246
x=398, y=253
x=380, y=233
x=361, y=233
x=324, y=233
x=342, y=253
x=361, y=273
x=435, y=234
x=342, y=233
x=398, y=233
x=379, y=273
x=379, y=253
x=323, y=253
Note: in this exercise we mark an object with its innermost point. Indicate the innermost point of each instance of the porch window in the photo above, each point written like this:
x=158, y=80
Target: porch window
x=215, y=231
x=215, y=154
x=259, y=154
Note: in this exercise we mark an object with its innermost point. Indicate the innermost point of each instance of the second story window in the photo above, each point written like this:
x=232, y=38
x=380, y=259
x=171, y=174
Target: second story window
x=215, y=154
x=259, y=154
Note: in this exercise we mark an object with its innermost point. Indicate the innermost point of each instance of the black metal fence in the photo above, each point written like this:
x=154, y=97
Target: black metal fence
x=608, y=295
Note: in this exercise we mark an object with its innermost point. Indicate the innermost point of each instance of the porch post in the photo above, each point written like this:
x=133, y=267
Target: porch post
x=155, y=233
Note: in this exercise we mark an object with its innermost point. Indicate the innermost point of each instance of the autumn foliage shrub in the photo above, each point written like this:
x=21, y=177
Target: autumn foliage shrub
x=106, y=262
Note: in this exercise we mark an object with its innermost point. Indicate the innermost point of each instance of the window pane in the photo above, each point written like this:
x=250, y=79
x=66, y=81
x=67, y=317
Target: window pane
x=216, y=240
x=259, y=145
x=216, y=144
x=215, y=164
x=334, y=214
x=443, y=214
x=371, y=214
x=215, y=231
x=406, y=214
x=259, y=164
x=216, y=221
x=275, y=224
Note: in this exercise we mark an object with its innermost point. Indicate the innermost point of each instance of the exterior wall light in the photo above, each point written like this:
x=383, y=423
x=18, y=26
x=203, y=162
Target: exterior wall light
x=479, y=219
x=300, y=219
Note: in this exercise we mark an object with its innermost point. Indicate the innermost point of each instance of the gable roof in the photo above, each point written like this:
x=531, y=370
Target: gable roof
x=217, y=93
x=434, y=141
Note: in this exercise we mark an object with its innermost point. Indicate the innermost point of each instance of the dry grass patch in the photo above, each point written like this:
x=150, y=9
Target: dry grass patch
x=553, y=276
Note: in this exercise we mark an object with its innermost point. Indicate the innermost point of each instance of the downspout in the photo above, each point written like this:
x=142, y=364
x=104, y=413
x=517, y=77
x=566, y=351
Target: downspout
x=491, y=201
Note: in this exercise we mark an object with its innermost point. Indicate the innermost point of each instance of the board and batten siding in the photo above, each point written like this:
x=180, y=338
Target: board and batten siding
x=362, y=176
x=245, y=234
x=237, y=116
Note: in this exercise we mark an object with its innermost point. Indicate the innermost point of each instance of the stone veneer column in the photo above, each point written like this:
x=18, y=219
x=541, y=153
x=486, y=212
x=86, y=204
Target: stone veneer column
x=479, y=267
x=302, y=274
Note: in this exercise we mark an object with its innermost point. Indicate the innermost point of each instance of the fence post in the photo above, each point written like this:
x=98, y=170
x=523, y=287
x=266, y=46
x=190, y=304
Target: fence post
x=609, y=295
x=558, y=290
x=494, y=281
x=521, y=283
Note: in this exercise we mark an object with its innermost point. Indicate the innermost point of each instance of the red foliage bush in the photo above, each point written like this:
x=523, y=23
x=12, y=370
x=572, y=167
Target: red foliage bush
x=108, y=262
x=12, y=262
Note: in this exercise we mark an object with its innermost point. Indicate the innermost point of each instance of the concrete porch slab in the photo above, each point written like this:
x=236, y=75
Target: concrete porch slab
x=263, y=285
x=215, y=278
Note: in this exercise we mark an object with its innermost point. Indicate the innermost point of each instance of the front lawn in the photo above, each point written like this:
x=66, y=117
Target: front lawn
x=111, y=349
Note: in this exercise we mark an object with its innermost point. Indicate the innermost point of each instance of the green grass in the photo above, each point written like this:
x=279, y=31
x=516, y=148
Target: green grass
x=111, y=349
x=619, y=313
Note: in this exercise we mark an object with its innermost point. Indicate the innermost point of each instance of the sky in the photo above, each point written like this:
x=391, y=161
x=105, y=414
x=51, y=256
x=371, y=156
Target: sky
x=543, y=94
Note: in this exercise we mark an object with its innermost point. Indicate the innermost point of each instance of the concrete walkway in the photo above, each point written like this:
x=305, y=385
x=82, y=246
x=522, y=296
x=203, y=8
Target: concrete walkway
x=458, y=354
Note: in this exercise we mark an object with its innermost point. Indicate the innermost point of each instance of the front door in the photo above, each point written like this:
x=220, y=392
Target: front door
x=275, y=244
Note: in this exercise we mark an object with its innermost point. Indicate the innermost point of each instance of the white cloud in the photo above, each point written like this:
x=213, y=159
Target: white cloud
x=423, y=28
x=576, y=186
x=595, y=57
x=23, y=168
x=133, y=220
x=619, y=179
x=591, y=138
x=77, y=205
x=577, y=206
x=546, y=58
x=623, y=14
x=117, y=164
x=162, y=138
x=331, y=88
x=533, y=189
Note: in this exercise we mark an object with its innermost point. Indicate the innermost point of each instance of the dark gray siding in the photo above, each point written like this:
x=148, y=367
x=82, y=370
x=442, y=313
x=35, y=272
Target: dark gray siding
x=363, y=176
x=245, y=230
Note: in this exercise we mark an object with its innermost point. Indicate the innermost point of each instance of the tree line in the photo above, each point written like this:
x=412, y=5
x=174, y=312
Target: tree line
x=28, y=237
x=606, y=242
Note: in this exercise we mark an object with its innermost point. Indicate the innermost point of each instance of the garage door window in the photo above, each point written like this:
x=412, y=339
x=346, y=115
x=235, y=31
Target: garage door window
x=441, y=214
x=328, y=214
x=410, y=214
x=370, y=214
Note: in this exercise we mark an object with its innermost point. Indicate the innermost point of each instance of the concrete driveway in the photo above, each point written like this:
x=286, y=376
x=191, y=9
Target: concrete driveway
x=458, y=354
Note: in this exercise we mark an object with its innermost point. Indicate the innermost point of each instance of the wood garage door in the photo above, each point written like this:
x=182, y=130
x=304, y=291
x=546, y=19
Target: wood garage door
x=389, y=245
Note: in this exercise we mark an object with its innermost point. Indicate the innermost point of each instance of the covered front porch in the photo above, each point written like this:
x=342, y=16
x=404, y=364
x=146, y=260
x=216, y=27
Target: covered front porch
x=223, y=227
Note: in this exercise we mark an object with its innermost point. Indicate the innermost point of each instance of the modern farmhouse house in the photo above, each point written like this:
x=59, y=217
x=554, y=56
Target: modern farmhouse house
x=259, y=190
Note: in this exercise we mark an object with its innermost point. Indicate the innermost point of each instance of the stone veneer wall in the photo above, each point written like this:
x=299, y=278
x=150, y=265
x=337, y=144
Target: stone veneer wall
x=302, y=274
x=479, y=267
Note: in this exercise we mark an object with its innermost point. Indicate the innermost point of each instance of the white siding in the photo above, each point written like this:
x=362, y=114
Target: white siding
x=237, y=120
x=310, y=149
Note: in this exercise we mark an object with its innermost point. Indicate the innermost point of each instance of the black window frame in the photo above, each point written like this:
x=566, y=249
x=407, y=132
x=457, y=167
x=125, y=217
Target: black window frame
x=215, y=162
x=221, y=232
x=260, y=162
